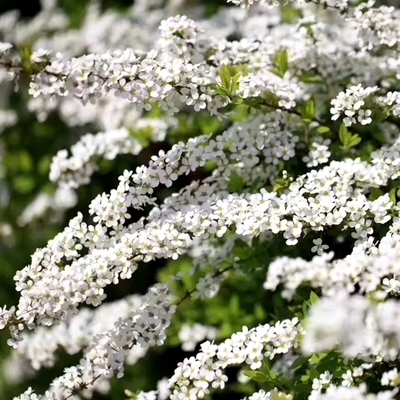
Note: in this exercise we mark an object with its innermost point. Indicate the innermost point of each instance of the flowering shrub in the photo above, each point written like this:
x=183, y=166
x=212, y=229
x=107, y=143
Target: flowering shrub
x=239, y=167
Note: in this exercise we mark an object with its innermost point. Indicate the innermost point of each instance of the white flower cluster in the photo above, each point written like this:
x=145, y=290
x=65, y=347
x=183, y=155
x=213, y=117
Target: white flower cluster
x=391, y=378
x=322, y=382
x=76, y=170
x=351, y=104
x=270, y=3
x=352, y=393
x=368, y=267
x=69, y=243
x=195, y=376
x=356, y=325
x=392, y=101
x=274, y=394
x=162, y=392
x=40, y=346
x=319, y=153
x=156, y=77
x=339, y=4
x=108, y=351
x=7, y=118
x=338, y=188
x=6, y=315
x=51, y=205
x=190, y=336
x=19, y=31
x=9, y=61
x=102, y=30
x=376, y=27
x=182, y=72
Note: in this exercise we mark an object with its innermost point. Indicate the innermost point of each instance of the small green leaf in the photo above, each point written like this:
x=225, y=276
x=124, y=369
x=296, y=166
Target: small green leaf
x=309, y=111
x=225, y=76
x=347, y=139
x=230, y=107
x=300, y=361
x=230, y=78
x=310, y=78
x=220, y=90
x=392, y=195
x=282, y=61
x=343, y=134
x=129, y=393
x=234, y=84
x=317, y=357
x=322, y=130
x=353, y=141
x=238, y=101
x=26, y=59
x=276, y=72
x=256, y=376
x=313, y=298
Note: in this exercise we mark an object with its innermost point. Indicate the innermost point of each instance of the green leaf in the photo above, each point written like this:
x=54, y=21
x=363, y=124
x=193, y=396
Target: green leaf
x=268, y=372
x=282, y=61
x=256, y=376
x=322, y=130
x=230, y=107
x=276, y=72
x=234, y=84
x=304, y=308
x=310, y=78
x=392, y=195
x=26, y=53
x=347, y=139
x=230, y=78
x=313, y=298
x=317, y=357
x=220, y=90
x=343, y=134
x=353, y=141
x=253, y=102
x=225, y=75
x=308, y=112
x=300, y=361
